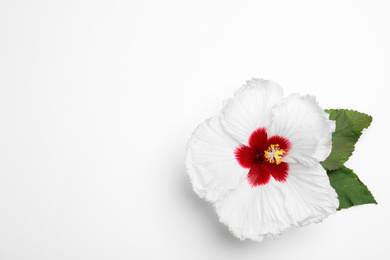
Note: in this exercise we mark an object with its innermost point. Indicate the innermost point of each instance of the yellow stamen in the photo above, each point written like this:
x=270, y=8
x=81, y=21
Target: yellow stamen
x=274, y=154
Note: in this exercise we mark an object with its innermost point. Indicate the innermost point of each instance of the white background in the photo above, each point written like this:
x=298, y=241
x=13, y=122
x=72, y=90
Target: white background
x=99, y=98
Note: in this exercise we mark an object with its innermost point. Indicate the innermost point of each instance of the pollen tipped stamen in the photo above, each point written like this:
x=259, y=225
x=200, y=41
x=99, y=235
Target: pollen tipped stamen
x=274, y=154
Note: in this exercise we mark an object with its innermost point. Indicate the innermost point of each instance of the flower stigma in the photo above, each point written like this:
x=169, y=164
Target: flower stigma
x=274, y=154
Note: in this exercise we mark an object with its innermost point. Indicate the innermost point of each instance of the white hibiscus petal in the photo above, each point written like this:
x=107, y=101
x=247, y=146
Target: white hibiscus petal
x=301, y=120
x=250, y=108
x=254, y=213
x=211, y=162
x=309, y=196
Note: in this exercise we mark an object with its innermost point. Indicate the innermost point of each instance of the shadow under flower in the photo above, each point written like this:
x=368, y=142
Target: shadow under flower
x=224, y=236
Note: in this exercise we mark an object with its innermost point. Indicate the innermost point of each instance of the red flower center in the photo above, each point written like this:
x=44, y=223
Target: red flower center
x=263, y=157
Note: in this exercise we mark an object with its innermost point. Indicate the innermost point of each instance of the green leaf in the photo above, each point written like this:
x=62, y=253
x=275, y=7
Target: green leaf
x=349, y=127
x=350, y=190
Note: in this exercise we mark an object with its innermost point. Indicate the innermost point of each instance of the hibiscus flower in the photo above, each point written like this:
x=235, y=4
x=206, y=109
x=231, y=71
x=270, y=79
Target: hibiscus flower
x=259, y=161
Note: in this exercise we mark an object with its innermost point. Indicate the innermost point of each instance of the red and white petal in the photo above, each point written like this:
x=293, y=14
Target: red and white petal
x=250, y=108
x=245, y=155
x=258, y=139
x=258, y=174
x=278, y=171
x=254, y=213
x=210, y=161
x=309, y=196
x=283, y=143
x=306, y=125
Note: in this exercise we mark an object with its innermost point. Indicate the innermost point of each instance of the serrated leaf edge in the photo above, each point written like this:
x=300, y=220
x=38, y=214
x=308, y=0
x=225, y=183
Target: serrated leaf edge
x=357, y=178
x=358, y=137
